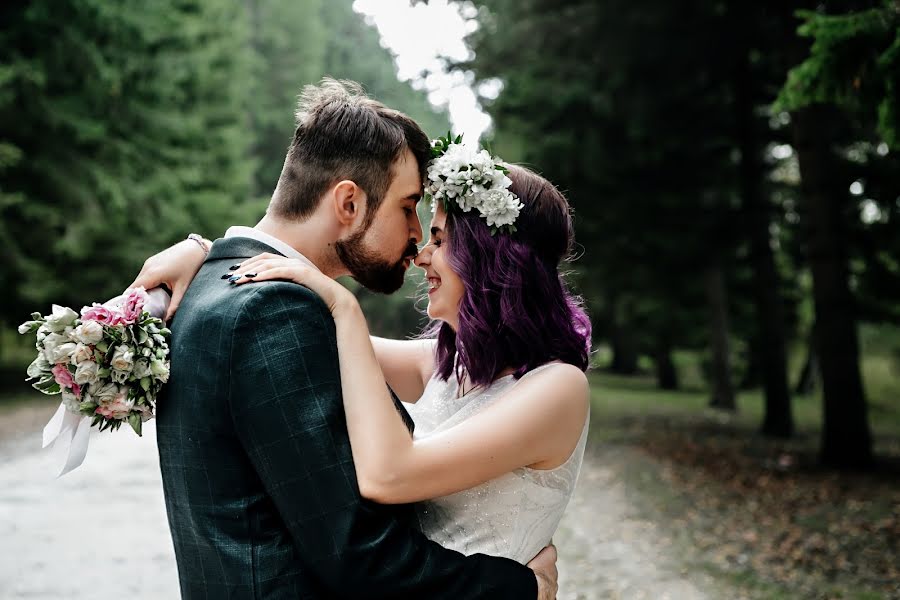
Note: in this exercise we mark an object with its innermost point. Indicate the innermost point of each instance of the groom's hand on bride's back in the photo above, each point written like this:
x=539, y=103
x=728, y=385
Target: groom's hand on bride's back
x=175, y=268
x=544, y=567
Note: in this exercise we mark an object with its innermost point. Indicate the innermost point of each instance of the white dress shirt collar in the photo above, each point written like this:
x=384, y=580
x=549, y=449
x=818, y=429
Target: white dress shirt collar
x=269, y=240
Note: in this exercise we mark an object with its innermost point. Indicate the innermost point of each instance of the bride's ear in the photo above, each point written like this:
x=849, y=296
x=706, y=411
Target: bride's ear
x=349, y=202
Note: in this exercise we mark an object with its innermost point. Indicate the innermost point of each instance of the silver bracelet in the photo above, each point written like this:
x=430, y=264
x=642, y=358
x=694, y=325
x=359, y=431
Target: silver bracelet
x=199, y=239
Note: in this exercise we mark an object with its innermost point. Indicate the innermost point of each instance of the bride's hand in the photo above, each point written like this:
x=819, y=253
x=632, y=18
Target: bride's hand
x=268, y=266
x=175, y=267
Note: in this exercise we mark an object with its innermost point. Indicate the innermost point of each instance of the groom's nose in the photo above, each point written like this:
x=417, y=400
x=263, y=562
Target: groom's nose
x=415, y=230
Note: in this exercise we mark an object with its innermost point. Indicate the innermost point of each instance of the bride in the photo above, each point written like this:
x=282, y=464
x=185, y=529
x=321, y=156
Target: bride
x=496, y=386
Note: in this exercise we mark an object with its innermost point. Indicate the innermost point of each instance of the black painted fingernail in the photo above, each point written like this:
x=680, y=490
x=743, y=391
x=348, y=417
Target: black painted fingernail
x=234, y=278
x=234, y=267
x=250, y=275
x=227, y=275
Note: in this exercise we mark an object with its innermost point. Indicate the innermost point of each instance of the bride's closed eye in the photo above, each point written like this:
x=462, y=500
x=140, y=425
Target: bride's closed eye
x=432, y=242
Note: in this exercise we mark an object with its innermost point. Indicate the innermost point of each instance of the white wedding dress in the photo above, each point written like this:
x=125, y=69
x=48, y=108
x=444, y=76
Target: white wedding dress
x=512, y=516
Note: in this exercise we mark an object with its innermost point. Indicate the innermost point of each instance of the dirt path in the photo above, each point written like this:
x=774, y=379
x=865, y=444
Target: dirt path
x=101, y=532
x=607, y=550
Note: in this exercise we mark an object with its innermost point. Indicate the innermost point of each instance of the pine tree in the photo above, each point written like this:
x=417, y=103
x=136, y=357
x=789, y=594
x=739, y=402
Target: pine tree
x=845, y=94
x=130, y=120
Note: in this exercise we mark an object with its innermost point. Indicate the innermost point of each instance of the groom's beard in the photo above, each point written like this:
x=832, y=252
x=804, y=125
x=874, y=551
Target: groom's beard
x=370, y=270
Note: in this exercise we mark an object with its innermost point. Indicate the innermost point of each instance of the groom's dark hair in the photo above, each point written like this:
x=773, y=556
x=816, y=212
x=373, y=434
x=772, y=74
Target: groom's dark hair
x=343, y=134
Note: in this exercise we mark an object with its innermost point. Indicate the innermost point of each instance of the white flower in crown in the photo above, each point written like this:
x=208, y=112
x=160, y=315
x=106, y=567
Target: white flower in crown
x=500, y=208
x=468, y=179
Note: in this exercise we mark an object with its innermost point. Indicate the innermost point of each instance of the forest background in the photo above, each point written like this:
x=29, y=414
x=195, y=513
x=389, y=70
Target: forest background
x=733, y=168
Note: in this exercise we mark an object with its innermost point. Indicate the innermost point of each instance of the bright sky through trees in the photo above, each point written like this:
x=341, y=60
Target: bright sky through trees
x=420, y=35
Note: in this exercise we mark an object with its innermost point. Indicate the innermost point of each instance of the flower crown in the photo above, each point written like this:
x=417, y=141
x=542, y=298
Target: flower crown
x=459, y=176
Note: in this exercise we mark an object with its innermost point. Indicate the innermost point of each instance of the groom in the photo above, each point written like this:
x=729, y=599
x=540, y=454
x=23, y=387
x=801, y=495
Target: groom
x=258, y=475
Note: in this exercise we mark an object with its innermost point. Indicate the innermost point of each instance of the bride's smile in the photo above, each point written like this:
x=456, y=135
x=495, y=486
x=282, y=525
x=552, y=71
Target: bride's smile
x=441, y=277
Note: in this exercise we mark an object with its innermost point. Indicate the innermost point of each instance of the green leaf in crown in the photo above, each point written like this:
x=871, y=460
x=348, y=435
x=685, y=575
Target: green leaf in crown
x=440, y=145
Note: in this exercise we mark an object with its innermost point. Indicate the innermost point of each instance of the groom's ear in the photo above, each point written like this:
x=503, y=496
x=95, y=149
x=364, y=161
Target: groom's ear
x=349, y=202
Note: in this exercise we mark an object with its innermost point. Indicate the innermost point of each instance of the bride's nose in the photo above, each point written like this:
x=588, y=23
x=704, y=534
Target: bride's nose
x=423, y=258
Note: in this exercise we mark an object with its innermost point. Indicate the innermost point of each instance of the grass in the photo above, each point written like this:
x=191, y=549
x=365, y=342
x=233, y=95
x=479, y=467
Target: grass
x=616, y=398
x=758, y=514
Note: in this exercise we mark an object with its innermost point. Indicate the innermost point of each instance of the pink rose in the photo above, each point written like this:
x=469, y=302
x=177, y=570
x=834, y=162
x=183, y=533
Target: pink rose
x=133, y=305
x=102, y=314
x=118, y=408
x=106, y=411
x=63, y=376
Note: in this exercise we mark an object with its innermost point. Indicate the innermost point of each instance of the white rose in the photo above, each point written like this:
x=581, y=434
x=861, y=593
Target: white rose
x=123, y=358
x=71, y=402
x=106, y=393
x=62, y=317
x=89, y=332
x=81, y=354
x=160, y=370
x=60, y=353
x=50, y=341
x=141, y=369
x=86, y=373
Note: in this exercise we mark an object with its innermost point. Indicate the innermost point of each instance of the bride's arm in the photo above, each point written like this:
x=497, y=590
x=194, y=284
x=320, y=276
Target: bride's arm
x=407, y=365
x=175, y=267
x=537, y=423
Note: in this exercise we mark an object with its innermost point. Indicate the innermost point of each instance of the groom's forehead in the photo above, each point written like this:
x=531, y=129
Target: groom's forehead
x=406, y=178
x=409, y=190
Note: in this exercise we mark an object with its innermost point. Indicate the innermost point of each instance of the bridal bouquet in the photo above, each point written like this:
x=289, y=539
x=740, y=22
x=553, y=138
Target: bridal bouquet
x=108, y=363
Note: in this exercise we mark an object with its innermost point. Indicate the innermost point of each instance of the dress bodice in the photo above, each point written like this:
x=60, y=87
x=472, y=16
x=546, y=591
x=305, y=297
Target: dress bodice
x=513, y=515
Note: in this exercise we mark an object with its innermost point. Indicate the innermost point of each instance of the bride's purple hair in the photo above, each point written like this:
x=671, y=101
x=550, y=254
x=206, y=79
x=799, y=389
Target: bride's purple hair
x=516, y=310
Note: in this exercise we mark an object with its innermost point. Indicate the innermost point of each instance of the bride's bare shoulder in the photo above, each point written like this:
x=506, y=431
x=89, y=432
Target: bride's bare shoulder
x=570, y=381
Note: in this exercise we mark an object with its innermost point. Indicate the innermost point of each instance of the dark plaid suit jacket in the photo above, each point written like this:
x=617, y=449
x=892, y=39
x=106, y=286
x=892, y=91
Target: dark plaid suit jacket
x=260, y=487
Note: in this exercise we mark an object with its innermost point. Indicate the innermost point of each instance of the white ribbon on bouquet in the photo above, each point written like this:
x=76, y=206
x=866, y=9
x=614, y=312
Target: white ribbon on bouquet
x=69, y=433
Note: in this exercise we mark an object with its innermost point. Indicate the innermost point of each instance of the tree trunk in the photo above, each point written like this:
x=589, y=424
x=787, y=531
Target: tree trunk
x=666, y=375
x=806, y=381
x=624, y=346
x=624, y=353
x=846, y=439
x=769, y=347
x=723, y=390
